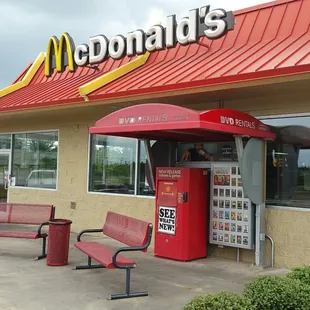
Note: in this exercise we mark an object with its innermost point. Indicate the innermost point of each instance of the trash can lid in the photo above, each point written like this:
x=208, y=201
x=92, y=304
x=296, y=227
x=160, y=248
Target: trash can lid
x=60, y=222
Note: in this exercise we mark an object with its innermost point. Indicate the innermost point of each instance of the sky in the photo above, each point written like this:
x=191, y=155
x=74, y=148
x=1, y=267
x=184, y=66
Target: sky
x=27, y=25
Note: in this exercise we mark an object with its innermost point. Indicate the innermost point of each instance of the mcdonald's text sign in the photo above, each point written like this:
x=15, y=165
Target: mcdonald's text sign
x=212, y=24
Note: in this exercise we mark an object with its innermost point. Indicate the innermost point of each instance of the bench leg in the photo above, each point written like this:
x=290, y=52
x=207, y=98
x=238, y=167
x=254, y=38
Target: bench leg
x=88, y=266
x=43, y=255
x=128, y=294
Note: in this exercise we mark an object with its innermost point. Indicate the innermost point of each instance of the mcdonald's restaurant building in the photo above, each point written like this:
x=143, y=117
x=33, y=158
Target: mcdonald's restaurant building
x=256, y=60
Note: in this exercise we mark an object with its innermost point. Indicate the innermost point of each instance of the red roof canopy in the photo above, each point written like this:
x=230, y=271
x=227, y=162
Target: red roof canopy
x=269, y=40
x=169, y=122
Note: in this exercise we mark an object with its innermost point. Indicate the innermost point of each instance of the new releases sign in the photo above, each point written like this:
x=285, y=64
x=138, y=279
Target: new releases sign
x=167, y=220
x=212, y=24
x=170, y=173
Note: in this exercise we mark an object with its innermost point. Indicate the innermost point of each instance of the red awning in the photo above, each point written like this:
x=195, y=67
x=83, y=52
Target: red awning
x=173, y=123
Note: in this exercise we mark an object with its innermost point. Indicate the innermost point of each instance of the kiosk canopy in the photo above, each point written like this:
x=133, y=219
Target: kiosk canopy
x=158, y=121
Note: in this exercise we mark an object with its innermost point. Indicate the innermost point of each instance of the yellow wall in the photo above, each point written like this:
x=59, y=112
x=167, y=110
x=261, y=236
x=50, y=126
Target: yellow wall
x=72, y=179
x=290, y=229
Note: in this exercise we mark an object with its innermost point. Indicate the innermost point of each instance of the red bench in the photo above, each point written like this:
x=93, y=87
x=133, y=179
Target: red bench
x=26, y=214
x=136, y=234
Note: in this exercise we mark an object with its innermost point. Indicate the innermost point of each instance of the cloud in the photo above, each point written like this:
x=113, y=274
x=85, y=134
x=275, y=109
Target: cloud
x=26, y=26
x=15, y=21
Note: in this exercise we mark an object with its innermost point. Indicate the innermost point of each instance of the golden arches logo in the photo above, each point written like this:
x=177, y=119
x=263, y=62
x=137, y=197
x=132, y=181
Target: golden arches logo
x=62, y=50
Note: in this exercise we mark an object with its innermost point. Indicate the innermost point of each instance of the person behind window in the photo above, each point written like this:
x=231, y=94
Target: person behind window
x=197, y=153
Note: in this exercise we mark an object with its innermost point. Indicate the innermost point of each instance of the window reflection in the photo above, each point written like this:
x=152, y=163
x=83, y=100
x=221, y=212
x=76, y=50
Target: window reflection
x=5, y=142
x=112, y=164
x=288, y=162
x=35, y=159
x=217, y=151
x=144, y=186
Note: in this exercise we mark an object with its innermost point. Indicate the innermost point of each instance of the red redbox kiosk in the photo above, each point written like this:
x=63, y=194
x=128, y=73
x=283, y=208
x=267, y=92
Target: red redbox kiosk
x=181, y=213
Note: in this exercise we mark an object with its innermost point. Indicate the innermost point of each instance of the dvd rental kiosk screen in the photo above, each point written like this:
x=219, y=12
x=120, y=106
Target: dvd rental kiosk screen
x=231, y=211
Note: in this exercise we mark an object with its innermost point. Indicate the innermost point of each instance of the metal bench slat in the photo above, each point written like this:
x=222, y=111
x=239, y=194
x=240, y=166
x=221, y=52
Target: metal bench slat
x=20, y=234
x=102, y=254
x=26, y=214
x=125, y=229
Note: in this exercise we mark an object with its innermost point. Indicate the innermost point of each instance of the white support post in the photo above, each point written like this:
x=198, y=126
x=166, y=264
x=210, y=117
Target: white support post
x=137, y=169
x=104, y=164
x=260, y=217
x=149, y=157
x=131, y=170
x=239, y=147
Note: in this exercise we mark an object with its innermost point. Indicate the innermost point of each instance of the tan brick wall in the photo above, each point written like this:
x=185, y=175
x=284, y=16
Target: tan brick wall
x=290, y=229
x=72, y=187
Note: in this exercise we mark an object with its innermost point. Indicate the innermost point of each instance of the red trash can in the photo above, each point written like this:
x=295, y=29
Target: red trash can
x=58, y=242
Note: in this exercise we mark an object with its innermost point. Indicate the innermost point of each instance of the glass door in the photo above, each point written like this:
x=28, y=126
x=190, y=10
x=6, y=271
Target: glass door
x=4, y=174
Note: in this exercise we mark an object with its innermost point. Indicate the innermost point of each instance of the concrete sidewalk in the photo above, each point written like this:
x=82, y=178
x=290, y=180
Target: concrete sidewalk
x=26, y=284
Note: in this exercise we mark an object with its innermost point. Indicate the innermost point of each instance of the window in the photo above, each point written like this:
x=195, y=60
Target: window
x=34, y=159
x=113, y=161
x=144, y=186
x=218, y=151
x=112, y=164
x=288, y=162
x=5, y=142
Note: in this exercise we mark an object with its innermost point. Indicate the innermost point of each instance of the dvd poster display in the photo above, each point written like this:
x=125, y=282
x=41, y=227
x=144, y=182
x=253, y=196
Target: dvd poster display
x=231, y=211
